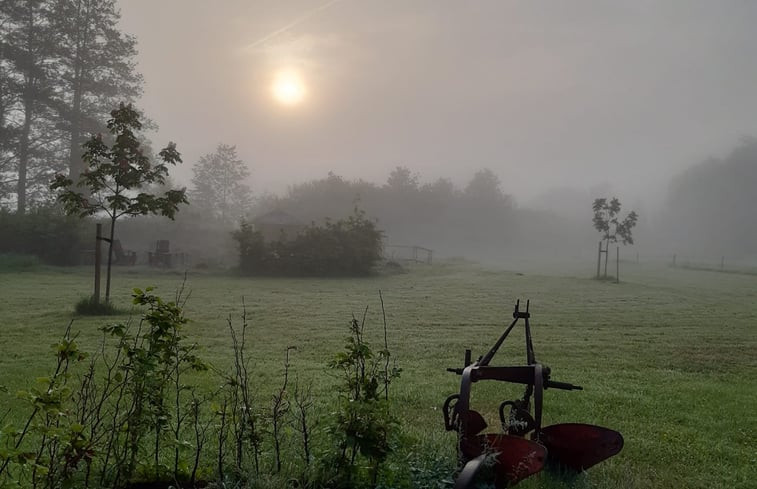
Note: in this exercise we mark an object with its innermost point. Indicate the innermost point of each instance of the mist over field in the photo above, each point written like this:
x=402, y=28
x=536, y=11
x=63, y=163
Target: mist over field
x=484, y=131
x=280, y=243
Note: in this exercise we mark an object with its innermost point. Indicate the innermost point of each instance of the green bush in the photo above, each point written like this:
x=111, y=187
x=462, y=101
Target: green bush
x=365, y=425
x=17, y=261
x=44, y=232
x=347, y=247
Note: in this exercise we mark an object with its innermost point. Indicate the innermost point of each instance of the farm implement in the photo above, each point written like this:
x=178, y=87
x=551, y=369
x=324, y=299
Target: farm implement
x=523, y=447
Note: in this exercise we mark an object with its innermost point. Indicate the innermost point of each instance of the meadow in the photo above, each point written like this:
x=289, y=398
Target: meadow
x=668, y=357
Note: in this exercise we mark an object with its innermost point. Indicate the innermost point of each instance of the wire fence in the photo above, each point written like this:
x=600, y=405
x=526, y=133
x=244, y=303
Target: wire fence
x=416, y=254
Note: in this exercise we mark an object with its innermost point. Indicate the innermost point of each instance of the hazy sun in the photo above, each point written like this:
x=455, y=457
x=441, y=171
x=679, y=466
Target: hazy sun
x=288, y=88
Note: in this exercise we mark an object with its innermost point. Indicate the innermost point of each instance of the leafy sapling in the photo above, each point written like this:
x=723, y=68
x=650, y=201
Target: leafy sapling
x=116, y=177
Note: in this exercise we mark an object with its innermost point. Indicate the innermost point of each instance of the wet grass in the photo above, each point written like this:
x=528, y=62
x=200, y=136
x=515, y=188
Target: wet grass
x=668, y=357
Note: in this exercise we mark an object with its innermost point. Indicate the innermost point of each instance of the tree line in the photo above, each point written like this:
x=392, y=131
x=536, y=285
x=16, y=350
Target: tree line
x=64, y=65
x=436, y=213
x=711, y=206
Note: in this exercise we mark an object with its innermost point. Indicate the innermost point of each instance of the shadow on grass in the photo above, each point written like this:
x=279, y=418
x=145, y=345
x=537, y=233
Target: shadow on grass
x=88, y=306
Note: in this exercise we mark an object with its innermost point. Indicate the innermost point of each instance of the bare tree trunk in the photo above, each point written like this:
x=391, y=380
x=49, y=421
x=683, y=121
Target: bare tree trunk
x=23, y=154
x=75, y=163
x=607, y=253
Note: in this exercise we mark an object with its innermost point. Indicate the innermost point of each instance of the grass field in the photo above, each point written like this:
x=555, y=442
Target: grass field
x=668, y=357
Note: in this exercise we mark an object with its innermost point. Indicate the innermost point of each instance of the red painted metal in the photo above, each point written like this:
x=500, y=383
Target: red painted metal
x=573, y=445
x=580, y=446
x=515, y=458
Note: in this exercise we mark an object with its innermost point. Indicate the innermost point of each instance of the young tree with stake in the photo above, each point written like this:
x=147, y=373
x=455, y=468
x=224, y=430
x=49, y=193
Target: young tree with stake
x=115, y=178
x=607, y=221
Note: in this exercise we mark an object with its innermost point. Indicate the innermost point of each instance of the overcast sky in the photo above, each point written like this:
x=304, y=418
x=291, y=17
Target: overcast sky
x=547, y=94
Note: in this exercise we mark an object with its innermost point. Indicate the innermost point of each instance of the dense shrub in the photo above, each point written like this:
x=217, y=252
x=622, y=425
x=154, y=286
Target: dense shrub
x=346, y=247
x=44, y=232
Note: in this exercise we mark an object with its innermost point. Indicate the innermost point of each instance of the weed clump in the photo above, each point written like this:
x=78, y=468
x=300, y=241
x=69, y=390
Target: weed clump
x=88, y=306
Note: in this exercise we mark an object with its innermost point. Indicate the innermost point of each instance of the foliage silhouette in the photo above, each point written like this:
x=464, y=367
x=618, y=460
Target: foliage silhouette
x=115, y=176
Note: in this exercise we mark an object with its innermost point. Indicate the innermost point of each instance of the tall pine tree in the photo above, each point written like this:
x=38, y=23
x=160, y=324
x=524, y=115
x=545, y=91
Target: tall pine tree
x=97, y=69
x=29, y=68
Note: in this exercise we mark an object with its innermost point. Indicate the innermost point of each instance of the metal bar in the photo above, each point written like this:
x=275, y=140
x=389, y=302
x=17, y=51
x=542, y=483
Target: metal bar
x=463, y=402
x=488, y=357
x=538, y=397
x=520, y=374
x=530, y=356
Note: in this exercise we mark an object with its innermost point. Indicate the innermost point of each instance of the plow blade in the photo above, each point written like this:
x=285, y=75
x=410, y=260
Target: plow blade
x=515, y=458
x=580, y=446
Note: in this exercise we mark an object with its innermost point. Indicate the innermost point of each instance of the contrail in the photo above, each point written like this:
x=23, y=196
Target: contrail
x=294, y=23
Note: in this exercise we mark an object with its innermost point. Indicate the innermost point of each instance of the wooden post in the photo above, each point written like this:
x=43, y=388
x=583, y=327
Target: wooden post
x=617, y=264
x=599, y=258
x=98, y=259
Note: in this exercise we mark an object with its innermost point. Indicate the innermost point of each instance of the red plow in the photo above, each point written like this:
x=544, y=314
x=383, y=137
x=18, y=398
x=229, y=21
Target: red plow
x=524, y=446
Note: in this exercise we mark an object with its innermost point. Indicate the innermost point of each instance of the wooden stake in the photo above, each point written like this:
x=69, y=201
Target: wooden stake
x=98, y=259
x=599, y=258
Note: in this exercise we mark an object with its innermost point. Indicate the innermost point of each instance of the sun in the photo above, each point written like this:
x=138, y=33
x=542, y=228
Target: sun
x=288, y=88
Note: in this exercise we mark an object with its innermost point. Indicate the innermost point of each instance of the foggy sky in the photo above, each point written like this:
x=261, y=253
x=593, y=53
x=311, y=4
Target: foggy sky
x=547, y=94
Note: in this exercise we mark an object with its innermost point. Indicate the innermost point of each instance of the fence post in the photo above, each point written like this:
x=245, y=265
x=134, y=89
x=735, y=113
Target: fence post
x=617, y=264
x=98, y=259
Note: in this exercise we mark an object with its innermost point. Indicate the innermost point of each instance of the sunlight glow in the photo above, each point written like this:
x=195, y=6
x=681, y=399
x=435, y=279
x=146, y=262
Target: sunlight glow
x=288, y=88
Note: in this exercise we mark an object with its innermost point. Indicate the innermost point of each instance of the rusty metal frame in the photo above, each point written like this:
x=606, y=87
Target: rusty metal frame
x=469, y=424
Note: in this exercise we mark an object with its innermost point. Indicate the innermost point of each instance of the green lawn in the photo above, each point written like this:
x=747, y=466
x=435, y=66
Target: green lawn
x=668, y=357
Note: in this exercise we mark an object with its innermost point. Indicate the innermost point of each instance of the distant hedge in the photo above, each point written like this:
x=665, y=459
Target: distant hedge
x=45, y=233
x=347, y=247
